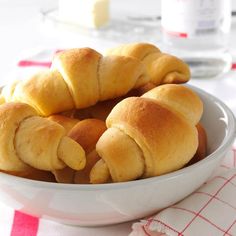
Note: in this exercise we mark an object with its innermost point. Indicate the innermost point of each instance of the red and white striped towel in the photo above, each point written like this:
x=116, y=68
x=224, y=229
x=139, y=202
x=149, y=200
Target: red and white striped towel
x=209, y=211
x=15, y=223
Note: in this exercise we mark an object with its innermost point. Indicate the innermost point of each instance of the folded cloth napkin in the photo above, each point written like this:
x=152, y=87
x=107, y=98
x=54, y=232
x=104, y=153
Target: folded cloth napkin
x=210, y=210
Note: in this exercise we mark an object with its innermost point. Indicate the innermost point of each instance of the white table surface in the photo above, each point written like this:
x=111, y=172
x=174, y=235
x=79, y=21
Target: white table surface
x=22, y=31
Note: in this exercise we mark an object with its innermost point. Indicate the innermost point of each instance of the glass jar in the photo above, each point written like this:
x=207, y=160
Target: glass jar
x=198, y=31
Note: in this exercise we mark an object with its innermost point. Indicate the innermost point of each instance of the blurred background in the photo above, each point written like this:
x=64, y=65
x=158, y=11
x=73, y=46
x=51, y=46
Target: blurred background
x=28, y=26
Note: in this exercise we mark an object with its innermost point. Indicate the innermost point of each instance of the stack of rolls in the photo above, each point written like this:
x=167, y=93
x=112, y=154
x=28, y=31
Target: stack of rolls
x=99, y=119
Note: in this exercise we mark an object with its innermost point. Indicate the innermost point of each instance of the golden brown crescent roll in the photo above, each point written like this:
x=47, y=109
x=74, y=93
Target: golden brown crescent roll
x=141, y=90
x=78, y=78
x=81, y=77
x=46, y=91
x=11, y=115
x=102, y=109
x=98, y=111
x=163, y=68
x=82, y=176
x=67, y=122
x=202, y=145
x=178, y=99
x=28, y=140
x=149, y=135
x=65, y=175
x=86, y=133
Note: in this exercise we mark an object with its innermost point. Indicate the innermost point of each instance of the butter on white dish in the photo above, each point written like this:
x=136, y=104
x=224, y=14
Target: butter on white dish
x=87, y=13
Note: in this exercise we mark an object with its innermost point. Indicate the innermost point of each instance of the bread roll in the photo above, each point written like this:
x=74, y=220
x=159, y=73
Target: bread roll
x=81, y=77
x=178, y=99
x=162, y=68
x=78, y=78
x=67, y=122
x=146, y=137
x=11, y=115
x=28, y=140
x=46, y=92
x=201, y=152
x=86, y=133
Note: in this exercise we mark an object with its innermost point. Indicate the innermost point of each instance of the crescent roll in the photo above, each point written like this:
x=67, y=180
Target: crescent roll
x=28, y=140
x=162, y=68
x=149, y=135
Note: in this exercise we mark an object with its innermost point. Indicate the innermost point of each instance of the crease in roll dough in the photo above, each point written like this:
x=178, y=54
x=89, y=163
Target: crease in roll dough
x=98, y=77
x=149, y=54
x=57, y=64
x=135, y=141
x=146, y=155
x=42, y=163
x=71, y=96
x=14, y=139
x=118, y=127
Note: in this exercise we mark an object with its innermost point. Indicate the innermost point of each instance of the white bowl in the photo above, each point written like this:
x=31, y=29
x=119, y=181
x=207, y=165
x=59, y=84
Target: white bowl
x=91, y=205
